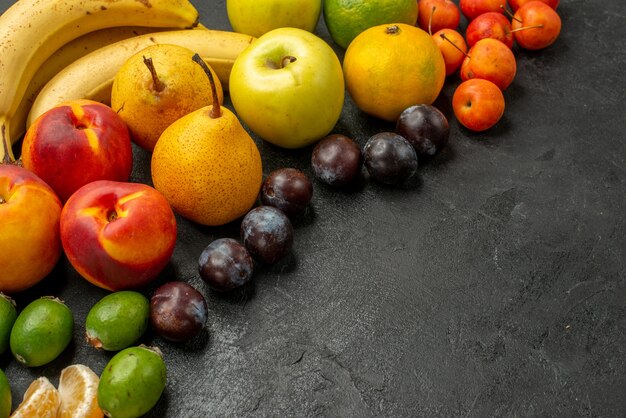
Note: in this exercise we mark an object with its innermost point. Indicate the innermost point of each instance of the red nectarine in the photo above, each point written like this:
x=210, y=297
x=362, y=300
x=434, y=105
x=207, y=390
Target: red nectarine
x=118, y=235
x=75, y=143
x=29, y=229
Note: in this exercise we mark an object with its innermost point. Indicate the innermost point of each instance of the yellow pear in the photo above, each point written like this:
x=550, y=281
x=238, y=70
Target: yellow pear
x=206, y=164
x=157, y=86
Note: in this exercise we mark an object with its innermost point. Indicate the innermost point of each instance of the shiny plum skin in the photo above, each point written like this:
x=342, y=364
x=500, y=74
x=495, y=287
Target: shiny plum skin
x=267, y=233
x=425, y=127
x=287, y=189
x=389, y=158
x=337, y=160
x=178, y=311
x=225, y=264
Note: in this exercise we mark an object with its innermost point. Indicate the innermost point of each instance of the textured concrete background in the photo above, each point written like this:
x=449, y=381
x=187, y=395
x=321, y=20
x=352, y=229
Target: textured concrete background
x=493, y=284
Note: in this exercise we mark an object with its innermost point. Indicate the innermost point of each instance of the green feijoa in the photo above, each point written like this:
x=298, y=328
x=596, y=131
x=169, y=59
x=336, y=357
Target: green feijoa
x=5, y=396
x=132, y=382
x=7, y=318
x=117, y=320
x=41, y=331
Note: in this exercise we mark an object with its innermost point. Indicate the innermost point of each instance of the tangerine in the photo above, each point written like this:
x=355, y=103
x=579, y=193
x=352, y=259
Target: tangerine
x=78, y=387
x=390, y=67
x=41, y=400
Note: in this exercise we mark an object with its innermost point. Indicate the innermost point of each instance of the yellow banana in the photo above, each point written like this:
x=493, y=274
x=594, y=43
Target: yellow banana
x=32, y=30
x=63, y=57
x=91, y=77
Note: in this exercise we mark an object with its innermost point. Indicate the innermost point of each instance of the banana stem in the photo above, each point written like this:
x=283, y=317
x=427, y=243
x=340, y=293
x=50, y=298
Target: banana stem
x=215, y=112
x=7, y=157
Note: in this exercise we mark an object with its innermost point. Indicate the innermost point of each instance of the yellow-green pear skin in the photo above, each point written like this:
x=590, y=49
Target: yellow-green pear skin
x=148, y=107
x=209, y=169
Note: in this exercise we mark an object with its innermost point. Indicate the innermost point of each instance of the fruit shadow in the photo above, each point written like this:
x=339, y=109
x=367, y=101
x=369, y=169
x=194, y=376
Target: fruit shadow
x=196, y=344
x=438, y=161
x=357, y=185
x=413, y=184
x=242, y=295
x=160, y=409
x=51, y=285
x=307, y=217
x=488, y=137
x=5, y=359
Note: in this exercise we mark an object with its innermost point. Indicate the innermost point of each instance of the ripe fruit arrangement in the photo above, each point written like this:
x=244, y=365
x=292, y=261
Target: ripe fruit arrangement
x=22, y=50
x=492, y=34
x=177, y=311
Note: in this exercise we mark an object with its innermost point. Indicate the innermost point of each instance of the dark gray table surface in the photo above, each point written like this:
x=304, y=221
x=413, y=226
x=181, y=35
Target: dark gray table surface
x=493, y=284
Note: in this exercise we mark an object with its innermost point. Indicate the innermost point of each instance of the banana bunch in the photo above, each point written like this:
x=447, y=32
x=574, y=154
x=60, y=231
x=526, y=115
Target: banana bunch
x=52, y=51
x=91, y=77
x=64, y=56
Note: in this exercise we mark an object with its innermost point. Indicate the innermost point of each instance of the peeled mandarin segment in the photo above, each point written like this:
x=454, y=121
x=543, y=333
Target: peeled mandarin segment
x=41, y=400
x=78, y=388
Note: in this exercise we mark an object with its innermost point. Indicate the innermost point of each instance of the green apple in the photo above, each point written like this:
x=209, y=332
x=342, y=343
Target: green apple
x=256, y=17
x=288, y=87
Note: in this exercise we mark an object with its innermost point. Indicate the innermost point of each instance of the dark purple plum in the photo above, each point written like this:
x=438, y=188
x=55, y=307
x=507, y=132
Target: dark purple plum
x=336, y=160
x=389, y=158
x=287, y=189
x=425, y=127
x=267, y=233
x=225, y=264
x=178, y=311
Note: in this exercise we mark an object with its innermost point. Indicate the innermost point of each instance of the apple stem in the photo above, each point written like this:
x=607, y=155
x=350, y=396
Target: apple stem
x=430, y=21
x=284, y=61
x=215, y=112
x=509, y=13
x=445, y=38
x=287, y=59
x=8, y=157
x=539, y=26
x=158, y=84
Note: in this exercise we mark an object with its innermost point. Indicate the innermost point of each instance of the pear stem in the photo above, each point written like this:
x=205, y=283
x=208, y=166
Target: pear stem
x=430, y=21
x=445, y=38
x=158, y=84
x=8, y=157
x=215, y=112
x=527, y=27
